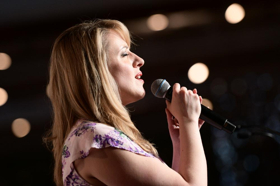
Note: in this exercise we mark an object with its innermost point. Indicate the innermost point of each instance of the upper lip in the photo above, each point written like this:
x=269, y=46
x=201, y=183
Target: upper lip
x=139, y=74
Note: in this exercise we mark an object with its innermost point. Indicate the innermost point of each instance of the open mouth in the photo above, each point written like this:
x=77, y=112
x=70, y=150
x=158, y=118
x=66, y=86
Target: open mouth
x=138, y=76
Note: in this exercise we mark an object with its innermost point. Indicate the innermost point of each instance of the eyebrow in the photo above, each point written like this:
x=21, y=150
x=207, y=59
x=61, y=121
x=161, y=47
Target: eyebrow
x=124, y=47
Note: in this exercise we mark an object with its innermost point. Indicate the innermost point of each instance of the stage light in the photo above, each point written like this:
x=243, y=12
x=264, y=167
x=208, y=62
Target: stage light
x=235, y=13
x=182, y=19
x=3, y=96
x=20, y=127
x=5, y=61
x=207, y=103
x=157, y=22
x=198, y=73
x=178, y=20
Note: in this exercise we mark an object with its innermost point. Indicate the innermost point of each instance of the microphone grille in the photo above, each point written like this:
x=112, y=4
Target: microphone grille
x=159, y=87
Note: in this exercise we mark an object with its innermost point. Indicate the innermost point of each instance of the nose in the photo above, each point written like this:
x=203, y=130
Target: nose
x=138, y=61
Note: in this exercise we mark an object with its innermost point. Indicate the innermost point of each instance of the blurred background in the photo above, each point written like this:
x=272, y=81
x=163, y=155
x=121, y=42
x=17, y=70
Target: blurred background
x=228, y=50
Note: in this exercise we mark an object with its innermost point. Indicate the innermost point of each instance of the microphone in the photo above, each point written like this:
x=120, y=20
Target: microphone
x=161, y=89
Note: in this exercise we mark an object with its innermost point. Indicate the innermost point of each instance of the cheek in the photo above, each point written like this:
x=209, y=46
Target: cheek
x=121, y=71
x=119, y=74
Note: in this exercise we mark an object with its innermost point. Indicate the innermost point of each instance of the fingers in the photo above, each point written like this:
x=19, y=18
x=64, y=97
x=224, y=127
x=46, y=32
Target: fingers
x=169, y=116
x=176, y=88
x=195, y=92
x=200, y=99
x=171, y=120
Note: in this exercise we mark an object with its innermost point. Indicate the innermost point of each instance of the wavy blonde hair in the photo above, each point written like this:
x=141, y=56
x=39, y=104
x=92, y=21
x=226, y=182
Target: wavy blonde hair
x=81, y=86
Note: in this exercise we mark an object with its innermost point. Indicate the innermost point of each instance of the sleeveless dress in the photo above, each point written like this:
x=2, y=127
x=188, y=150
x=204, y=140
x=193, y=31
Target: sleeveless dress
x=86, y=135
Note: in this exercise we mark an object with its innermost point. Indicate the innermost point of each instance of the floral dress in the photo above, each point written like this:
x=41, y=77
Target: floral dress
x=86, y=135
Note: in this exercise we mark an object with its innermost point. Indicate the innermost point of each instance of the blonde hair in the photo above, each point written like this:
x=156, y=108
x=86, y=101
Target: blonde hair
x=81, y=86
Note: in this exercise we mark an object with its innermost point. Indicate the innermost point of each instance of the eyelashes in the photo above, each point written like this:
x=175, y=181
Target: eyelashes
x=125, y=54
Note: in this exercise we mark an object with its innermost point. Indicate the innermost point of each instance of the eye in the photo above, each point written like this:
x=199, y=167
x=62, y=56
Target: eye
x=124, y=54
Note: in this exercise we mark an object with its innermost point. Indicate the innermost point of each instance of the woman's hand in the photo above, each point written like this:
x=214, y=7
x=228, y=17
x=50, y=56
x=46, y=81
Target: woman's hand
x=185, y=106
x=200, y=121
x=184, y=101
x=173, y=124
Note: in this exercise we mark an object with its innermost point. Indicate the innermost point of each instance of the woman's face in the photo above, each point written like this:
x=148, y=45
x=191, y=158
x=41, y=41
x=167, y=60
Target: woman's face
x=125, y=68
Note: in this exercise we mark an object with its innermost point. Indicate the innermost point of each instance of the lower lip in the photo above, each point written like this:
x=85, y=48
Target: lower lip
x=141, y=80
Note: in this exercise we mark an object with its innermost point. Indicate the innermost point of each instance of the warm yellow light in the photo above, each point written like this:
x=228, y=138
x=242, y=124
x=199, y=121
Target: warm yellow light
x=157, y=22
x=235, y=13
x=20, y=127
x=178, y=20
x=207, y=103
x=3, y=96
x=5, y=61
x=198, y=73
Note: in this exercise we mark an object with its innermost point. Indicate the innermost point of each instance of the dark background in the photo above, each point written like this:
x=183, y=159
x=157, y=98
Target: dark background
x=243, y=84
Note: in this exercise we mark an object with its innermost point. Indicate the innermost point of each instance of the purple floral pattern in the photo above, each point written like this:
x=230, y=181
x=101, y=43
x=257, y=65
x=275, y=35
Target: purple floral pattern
x=84, y=154
x=86, y=135
x=73, y=179
x=65, y=152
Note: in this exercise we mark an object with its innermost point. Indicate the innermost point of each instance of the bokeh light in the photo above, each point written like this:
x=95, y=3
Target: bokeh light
x=178, y=20
x=218, y=86
x=198, y=73
x=157, y=22
x=251, y=163
x=20, y=127
x=235, y=13
x=3, y=96
x=228, y=177
x=182, y=19
x=207, y=103
x=5, y=61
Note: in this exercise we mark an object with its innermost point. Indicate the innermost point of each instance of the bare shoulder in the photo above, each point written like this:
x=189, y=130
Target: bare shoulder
x=113, y=166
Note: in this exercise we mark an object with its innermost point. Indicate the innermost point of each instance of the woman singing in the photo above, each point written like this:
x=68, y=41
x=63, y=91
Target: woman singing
x=93, y=76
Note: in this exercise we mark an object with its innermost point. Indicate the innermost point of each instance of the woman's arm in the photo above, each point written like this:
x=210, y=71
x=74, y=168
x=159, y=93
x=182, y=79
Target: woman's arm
x=120, y=167
x=116, y=167
x=173, y=126
x=185, y=106
x=175, y=138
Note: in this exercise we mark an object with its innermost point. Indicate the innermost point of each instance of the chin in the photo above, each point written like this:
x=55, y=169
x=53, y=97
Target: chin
x=142, y=94
x=141, y=97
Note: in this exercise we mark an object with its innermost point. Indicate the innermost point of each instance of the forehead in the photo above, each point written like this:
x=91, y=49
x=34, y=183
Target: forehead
x=114, y=39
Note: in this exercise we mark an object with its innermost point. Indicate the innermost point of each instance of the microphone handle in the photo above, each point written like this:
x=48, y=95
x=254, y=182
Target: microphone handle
x=209, y=116
x=216, y=120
